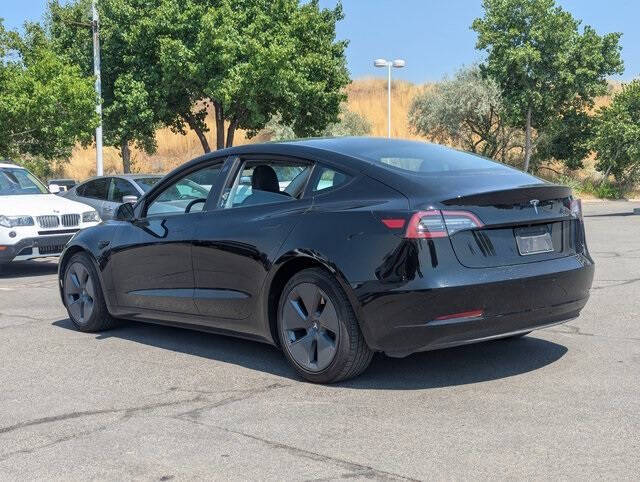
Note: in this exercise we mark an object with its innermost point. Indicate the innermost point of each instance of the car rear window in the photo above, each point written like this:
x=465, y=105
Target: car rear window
x=426, y=159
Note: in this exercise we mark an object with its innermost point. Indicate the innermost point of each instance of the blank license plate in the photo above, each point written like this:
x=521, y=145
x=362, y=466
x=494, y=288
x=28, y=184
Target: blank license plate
x=540, y=243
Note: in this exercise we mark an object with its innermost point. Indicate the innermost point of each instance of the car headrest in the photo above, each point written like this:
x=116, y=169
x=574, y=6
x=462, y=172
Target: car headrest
x=264, y=178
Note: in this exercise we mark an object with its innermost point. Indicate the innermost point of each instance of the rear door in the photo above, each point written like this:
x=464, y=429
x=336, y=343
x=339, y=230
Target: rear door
x=94, y=193
x=262, y=202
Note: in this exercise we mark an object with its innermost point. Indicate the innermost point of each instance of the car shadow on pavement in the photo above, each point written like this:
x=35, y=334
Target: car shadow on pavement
x=24, y=269
x=441, y=368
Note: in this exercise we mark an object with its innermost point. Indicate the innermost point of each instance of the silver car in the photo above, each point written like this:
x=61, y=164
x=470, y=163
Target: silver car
x=106, y=193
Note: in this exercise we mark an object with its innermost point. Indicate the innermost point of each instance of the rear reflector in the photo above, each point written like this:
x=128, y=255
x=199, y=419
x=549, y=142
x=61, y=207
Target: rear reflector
x=393, y=223
x=440, y=224
x=463, y=314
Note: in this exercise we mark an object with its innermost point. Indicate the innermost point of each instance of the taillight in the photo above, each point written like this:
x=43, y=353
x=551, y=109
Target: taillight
x=576, y=208
x=440, y=224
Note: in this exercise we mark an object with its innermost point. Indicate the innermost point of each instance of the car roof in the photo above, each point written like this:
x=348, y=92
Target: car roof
x=125, y=176
x=4, y=164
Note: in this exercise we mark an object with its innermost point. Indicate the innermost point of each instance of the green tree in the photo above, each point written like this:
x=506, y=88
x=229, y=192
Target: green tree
x=247, y=59
x=265, y=58
x=542, y=62
x=616, y=140
x=46, y=105
x=466, y=111
x=131, y=104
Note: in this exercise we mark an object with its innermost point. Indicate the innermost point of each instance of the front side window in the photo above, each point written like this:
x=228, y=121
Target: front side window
x=264, y=182
x=181, y=195
x=17, y=181
x=120, y=188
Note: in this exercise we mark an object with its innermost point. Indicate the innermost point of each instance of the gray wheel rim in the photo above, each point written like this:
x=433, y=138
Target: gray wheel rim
x=79, y=292
x=311, y=327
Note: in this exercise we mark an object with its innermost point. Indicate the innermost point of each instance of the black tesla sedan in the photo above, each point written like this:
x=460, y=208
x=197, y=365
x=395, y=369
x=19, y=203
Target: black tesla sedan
x=334, y=249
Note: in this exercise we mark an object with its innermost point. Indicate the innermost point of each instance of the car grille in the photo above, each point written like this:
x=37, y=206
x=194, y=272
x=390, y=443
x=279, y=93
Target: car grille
x=55, y=249
x=70, y=220
x=48, y=221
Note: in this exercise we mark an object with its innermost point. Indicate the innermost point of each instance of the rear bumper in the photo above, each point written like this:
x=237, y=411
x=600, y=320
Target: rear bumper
x=404, y=319
x=38, y=247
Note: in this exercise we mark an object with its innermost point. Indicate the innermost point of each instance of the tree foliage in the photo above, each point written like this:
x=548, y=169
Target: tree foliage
x=466, y=111
x=247, y=59
x=46, y=105
x=544, y=65
x=616, y=140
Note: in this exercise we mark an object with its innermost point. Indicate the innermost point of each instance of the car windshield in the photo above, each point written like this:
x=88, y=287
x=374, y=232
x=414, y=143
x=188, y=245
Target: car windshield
x=146, y=183
x=16, y=181
x=427, y=159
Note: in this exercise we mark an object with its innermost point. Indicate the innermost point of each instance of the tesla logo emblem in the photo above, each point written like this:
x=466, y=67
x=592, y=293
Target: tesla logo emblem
x=534, y=203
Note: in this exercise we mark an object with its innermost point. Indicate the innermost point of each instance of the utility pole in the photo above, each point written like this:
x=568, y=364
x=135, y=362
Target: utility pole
x=95, y=26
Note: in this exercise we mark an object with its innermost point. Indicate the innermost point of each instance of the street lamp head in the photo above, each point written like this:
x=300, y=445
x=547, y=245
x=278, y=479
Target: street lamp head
x=380, y=63
x=399, y=63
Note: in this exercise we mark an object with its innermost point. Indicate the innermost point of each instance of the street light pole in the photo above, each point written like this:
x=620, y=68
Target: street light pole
x=96, y=71
x=398, y=64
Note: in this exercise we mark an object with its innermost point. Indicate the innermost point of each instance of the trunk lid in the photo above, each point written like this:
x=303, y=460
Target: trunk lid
x=521, y=225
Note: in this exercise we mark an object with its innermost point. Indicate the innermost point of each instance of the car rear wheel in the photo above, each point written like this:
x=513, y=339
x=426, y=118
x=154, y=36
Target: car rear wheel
x=318, y=330
x=83, y=297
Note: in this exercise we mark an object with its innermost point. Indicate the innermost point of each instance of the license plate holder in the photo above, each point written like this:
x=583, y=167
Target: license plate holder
x=529, y=244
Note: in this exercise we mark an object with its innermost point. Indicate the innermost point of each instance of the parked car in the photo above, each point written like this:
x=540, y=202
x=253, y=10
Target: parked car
x=35, y=223
x=374, y=245
x=106, y=193
x=60, y=185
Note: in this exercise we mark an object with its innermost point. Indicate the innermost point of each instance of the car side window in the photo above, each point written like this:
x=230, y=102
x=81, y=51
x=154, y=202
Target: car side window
x=181, y=194
x=328, y=179
x=120, y=188
x=264, y=182
x=96, y=189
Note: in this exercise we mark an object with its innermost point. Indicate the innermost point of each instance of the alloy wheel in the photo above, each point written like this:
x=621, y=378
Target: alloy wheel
x=311, y=327
x=79, y=292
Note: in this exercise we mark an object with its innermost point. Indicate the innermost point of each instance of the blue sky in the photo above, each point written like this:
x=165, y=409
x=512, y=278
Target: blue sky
x=433, y=36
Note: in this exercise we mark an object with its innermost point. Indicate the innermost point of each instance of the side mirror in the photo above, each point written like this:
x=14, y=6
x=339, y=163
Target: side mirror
x=54, y=188
x=125, y=212
x=129, y=199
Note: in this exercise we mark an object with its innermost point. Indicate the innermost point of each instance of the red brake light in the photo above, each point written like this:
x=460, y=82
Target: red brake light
x=426, y=225
x=440, y=224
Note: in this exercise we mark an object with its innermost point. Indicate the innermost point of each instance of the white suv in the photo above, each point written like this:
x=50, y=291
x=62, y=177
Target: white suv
x=33, y=222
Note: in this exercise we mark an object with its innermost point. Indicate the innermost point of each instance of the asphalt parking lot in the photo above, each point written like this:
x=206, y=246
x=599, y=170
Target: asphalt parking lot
x=154, y=403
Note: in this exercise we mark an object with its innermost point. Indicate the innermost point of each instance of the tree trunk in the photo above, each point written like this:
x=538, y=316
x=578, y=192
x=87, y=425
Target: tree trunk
x=231, y=132
x=125, y=152
x=219, y=125
x=527, y=141
x=195, y=127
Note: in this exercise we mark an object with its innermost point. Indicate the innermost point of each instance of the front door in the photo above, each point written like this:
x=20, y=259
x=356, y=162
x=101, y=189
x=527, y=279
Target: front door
x=152, y=259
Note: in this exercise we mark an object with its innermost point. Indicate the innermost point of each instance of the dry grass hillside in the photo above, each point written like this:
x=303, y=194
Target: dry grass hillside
x=367, y=96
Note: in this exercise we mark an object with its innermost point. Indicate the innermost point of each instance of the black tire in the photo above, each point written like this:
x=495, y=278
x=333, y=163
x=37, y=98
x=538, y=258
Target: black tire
x=98, y=319
x=351, y=355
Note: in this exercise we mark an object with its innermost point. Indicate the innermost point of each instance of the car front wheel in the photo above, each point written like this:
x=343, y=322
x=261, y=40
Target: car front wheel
x=318, y=329
x=83, y=295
